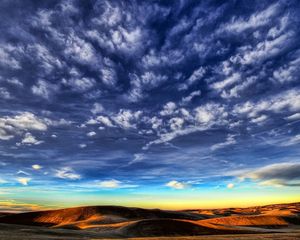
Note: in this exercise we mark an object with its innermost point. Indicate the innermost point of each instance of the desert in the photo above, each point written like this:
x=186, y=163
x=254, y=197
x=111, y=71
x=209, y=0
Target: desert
x=280, y=221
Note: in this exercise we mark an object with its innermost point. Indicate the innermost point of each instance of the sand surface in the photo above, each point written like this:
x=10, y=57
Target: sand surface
x=281, y=221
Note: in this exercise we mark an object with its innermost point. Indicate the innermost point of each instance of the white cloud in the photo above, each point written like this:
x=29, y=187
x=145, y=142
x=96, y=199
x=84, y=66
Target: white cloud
x=30, y=139
x=113, y=184
x=291, y=141
x=230, y=140
x=24, y=181
x=80, y=84
x=168, y=109
x=80, y=50
x=186, y=100
x=145, y=82
x=44, y=89
x=15, y=82
x=137, y=157
x=67, y=173
x=110, y=184
x=155, y=122
x=197, y=75
x=203, y=118
x=4, y=135
x=176, y=123
x=263, y=50
x=36, y=167
x=293, y=117
x=109, y=76
x=4, y=93
x=105, y=121
x=7, y=58
x=288, y=72
x=226, y=82
x=176, y=185
x=97, y=108
x=91, y=134
x=82, y=145
x=16, y=125
x=256, y=20
x=209, y=113
x=23, y=121
x=169, y=136
x=238, y=89
x=126, y=118
x=287, y=100
x=260, y=119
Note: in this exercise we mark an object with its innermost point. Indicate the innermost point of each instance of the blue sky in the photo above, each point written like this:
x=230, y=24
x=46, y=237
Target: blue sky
x=139, y=100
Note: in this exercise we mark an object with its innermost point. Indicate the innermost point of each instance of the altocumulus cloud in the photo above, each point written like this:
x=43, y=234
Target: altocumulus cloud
x=149, y=87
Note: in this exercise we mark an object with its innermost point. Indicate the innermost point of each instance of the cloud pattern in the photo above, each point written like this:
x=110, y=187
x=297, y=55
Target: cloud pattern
x=138, y=90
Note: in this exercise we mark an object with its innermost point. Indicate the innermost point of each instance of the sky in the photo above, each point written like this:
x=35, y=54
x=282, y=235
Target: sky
x=168, y=104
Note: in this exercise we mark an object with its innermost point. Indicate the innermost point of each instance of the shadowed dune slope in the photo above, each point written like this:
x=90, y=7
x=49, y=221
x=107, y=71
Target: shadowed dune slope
x=94, y=214
x=170, y=227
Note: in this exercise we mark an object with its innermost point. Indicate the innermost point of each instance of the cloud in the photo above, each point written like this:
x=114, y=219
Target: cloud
x=256, y=20
x=105, y=121
x=97, y=108
x=7, y=58
x=91, y=134
x=176, y=185
x=14, y=206
x=230, y=185
x=16, y=125
x=140, y=84
x=110, y=184
x=173, y=77
x=208, y=113
x=4, y=94
x=291, y=141
x=186, y=100
x=82, y=145
x=227, y=82
x=197, y=75
x=230, y=140
x=126, y=118
x=15, y=82
x=36, y=167
x=67, y=173
x=29, y=139
x=25, y=121
x=137, y=157
x=44, y=89
x=176, y=123
x=4, y=135
x=168, y=109
x=283, y=174
x=285, y=101
x=23, y=180
x=80, y=84
x=293, y=117
x=113, y=184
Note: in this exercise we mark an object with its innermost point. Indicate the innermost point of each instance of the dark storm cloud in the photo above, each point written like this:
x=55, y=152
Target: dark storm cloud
x=286, y=174
x=80, y=80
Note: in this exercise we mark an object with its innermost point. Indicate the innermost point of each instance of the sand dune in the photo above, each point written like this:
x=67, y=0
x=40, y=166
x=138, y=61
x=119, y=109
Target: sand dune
x=114, y=221
x=257, y=221
x=93, y=215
